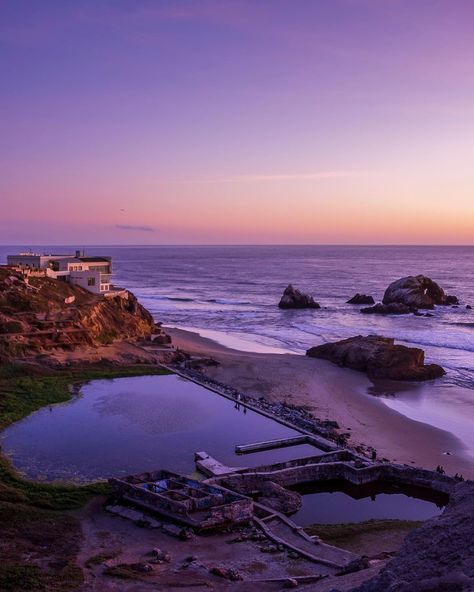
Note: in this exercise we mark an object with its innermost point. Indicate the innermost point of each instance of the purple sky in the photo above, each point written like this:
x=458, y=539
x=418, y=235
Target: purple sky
x=214, y=121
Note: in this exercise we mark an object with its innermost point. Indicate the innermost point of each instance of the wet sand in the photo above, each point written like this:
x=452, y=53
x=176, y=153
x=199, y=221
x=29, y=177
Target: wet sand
x=333, y=393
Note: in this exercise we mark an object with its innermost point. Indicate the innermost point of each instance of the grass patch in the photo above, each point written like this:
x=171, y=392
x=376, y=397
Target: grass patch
x=21, y=577
x=51, y=541
x=355, y=535
x=99, y=559
x=26, y=388
x=14, y=488
x=127, y=571
x=33, y=518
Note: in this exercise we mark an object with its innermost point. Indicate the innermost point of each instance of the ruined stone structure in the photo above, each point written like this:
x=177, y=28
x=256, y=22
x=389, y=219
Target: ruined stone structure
x=341, y=466
x=193, y=503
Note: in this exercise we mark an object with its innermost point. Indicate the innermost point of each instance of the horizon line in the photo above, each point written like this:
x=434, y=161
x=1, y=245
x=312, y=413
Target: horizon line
x=84, y=245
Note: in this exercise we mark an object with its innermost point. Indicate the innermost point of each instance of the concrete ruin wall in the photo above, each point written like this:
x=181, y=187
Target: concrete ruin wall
x=291, y=476
x=220, y=507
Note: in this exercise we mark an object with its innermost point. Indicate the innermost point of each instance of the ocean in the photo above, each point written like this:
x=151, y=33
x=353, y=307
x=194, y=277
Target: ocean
x=235, y=290
x=231, y=293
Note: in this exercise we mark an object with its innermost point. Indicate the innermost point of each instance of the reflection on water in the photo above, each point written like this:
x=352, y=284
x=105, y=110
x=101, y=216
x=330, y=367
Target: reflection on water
x=121, y=426
x=336, y=502
x=444, y=406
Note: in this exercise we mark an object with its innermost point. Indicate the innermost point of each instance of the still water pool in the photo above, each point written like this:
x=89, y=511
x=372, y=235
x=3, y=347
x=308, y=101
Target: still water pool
x=127, y=425
x=336, y=502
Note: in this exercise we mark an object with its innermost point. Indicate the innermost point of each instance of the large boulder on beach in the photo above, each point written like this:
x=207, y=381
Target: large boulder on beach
x=293, y=298
x=379, y=357
x=394, y=308
x=418, y=291
x=361, y=299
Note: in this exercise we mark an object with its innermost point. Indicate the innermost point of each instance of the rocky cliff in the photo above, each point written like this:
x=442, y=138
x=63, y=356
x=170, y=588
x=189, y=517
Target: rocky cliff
x=40, y=314
x=439, y=556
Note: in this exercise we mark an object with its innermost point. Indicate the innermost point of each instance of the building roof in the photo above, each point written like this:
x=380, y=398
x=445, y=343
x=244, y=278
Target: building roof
x=93, y=259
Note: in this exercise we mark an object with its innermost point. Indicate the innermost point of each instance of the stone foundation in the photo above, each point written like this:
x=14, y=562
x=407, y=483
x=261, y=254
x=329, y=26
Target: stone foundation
x=199, y=505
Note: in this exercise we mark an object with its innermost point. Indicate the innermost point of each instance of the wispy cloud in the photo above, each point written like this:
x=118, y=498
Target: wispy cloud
x=317, y=175
x=133, y=227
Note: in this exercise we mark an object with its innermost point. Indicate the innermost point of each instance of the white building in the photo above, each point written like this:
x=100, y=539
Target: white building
x=92, y=273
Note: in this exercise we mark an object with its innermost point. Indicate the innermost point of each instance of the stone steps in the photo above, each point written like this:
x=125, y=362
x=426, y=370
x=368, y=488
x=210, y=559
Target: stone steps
x=283, y=531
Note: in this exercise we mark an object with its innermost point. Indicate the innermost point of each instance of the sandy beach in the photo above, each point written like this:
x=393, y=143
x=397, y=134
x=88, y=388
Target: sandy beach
x=332, y=393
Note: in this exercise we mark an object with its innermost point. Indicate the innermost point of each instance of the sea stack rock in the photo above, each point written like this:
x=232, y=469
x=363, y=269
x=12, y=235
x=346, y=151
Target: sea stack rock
x=395, y=308
x=379, y=357
x=361, y=299
x=293, y=298
x=417, y=291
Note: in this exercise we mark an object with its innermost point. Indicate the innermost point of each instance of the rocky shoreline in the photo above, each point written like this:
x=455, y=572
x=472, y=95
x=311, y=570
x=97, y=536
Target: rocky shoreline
x=153, y=343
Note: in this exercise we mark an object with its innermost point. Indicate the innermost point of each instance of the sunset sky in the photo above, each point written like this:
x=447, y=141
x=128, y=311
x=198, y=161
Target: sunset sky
x=243, y=121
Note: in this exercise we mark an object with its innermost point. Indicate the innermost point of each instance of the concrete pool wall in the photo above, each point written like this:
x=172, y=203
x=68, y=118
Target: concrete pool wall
x=318, y=469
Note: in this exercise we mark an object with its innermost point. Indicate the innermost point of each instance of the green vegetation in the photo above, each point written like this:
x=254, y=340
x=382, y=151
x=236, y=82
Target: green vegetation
x=99, y=559
x=127, y=572
x=333, y=532
x=358, y=535
x=52, y=538
x=29, y=576
x=24, y=389
x=34, y=521
x=107, y=336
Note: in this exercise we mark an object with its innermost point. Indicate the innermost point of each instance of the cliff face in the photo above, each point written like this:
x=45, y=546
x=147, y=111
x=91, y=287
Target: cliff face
x=439, y=556
x=40, y=314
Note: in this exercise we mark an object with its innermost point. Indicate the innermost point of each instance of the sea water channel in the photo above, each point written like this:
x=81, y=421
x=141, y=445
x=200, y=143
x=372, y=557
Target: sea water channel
x=121, y=426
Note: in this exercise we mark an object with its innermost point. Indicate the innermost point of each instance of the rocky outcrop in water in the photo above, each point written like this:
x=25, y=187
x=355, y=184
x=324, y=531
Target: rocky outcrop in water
x=394, y=308
x=361, y=299
x=40, y=314
x=293, y=298
x=417, y=291
x=379, y=357
x=438, y=556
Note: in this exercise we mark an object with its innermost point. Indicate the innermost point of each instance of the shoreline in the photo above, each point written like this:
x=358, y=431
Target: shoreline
x=234, y=341
x=330, y=393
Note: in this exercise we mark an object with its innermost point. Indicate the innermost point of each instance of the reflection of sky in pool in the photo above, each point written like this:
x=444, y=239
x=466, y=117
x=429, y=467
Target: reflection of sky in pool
x=126, y=425
x=338, y=507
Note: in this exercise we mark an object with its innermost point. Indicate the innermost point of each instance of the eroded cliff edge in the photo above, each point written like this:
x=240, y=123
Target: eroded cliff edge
x=39, y=315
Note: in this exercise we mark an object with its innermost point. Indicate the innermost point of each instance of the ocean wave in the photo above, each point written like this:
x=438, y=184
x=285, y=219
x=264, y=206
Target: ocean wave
x=228, y=301
x=438, y=341
x=436, y=337
x=154, y=297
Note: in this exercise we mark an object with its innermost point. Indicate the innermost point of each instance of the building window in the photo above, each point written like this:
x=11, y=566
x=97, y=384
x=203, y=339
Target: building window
x=102, y=268
x=91, y=281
